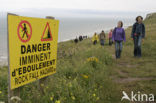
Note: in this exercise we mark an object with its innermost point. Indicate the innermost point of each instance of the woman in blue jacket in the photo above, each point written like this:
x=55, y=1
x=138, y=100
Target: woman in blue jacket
x=138, y=33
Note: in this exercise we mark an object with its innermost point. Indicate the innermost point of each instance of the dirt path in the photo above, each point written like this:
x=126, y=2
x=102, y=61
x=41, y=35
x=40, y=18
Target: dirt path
x=130, y=79
x=125, y=75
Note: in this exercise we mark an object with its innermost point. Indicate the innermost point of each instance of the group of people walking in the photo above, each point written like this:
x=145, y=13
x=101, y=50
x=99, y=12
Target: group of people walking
x=118, y=36
x=102, y=37
x=81, y=38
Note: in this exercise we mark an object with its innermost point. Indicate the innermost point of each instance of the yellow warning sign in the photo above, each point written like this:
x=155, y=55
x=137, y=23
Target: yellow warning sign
x=32, y=49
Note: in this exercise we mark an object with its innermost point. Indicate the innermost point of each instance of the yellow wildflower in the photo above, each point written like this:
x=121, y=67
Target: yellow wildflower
x=95, y=89
x=92, y=59
x=85, y=76
x=51, y=98
x=73, y=97
x=96, y=60
x=0, y=92
x=75, y=79
x=57, y=101
x=94, y=95
x=97, y=98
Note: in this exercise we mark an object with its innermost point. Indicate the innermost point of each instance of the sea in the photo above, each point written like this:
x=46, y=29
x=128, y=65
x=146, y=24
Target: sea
x=69, y=28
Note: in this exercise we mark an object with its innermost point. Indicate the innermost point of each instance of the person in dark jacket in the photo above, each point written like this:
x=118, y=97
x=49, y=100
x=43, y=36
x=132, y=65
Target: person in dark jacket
x=76, y=40
x=138, y=33
x=102, y=38
x=118, y=37
x=80, y=38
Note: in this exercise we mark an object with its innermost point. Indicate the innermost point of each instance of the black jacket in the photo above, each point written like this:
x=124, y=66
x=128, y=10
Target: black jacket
x=138, y=29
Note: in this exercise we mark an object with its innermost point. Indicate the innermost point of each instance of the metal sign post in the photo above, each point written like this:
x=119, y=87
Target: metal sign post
x=10, y=92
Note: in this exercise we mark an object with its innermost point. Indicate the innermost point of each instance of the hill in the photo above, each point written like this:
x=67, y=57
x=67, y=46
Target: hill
x=89, y=73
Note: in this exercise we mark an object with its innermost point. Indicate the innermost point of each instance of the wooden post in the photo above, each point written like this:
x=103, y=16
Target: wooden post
x=42, y=81
x=10, y=92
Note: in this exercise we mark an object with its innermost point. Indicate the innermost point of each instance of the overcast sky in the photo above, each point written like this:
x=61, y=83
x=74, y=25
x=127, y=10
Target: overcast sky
x=126, y=6
x=119, y=5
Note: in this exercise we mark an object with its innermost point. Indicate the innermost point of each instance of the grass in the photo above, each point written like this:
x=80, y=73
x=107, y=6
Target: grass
x=98, y=80
x=141, y=72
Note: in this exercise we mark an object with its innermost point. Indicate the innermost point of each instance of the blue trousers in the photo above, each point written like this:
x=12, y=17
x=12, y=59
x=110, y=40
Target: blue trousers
x=137, y=46
x=102, y=42
x=118, y=48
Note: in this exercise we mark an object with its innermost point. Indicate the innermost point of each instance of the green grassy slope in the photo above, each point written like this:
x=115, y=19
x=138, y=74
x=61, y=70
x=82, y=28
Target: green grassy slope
x=137, y=74
x=100, y=80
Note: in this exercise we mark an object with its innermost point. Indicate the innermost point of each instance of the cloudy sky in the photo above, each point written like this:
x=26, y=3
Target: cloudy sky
x=84, y=6
x=114, y=5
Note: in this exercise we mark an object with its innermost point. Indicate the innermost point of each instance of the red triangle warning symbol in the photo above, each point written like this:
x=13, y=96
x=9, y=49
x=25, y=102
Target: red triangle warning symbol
x=47, y=36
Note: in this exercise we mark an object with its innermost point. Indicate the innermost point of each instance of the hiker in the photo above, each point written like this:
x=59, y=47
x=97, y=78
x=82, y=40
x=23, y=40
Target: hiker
x=118, y=37
x=138, y=34
x=110, y=37
x=80, y=38
x=85, y=37
x=102, y=38
x=76, y=40
x=95, y=38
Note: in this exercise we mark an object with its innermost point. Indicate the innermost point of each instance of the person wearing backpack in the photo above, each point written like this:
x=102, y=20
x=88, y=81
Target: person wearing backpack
x=138, y=33
x=118, y=37
x=102, y=38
